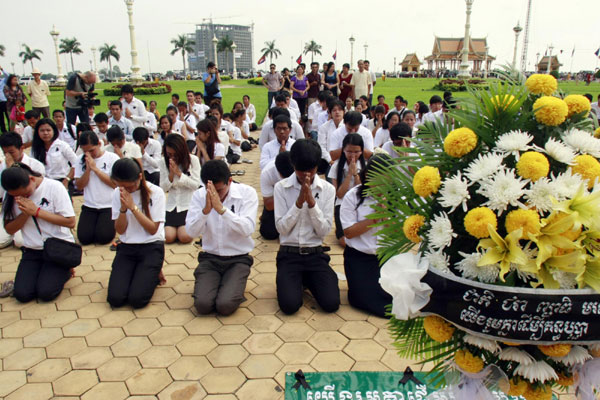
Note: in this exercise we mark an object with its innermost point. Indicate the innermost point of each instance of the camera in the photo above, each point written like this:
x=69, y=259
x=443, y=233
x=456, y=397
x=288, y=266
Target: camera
x=90, y=100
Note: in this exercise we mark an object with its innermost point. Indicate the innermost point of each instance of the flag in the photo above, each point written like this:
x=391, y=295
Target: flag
x=262, y=59
x=597, y=53
x=299, y=60
x=335, y=56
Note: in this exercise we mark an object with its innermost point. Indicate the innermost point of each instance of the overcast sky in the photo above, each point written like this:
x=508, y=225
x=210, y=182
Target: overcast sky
x=390, y=28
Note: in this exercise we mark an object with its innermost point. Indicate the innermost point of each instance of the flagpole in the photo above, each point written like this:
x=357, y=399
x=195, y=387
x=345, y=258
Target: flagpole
x=572, y=54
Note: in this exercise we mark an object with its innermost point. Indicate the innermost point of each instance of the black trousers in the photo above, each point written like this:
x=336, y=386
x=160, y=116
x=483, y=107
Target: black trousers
x=339, y=232
x=153, y=178
x=3, y=115
x=246, y=146
x=134, y=273
x=267, y=225
x=302, y=105
x=44, y=111
x=253, y=126
x=37, y=278
x=294, y=271
x=364, y=291
x=95, y=226
x=231, y=157
x=73, y=113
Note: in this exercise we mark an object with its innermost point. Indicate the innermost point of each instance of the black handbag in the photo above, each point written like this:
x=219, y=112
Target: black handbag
x=212, y=88
x=60, y=252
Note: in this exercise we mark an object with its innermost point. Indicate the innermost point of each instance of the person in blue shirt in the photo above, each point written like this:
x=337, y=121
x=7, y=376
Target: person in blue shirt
x=212, y=80
x=3, y=112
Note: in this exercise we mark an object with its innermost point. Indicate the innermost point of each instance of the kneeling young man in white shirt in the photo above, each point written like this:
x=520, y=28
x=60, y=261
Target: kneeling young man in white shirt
x=224, y=213
x=276, y=170
x=303, y=216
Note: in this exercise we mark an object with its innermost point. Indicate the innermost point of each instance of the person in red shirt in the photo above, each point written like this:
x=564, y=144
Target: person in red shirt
x=381, y=102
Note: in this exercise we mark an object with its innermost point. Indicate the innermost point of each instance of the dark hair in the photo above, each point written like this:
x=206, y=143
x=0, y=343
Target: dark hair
x=208, y=126
x=182, y=104
x=189, y=91
x=163, y=133
x=282, y=119
x=10, y=77
x=100, y=117
x=239, y=113
x=283, y=164
x=116, y=103
x=129, y=170
x=447, y=95
x=216, y=171
x=32, y=114
x=435, y=99
x=380, y=96
x=153, y=101
x=175, y=95
x=11, y=139
x=353, y=118
x=280, y=98
x=323, y=96
x=13, y=178
x=409, y=112
x=334, y=101
x=127, y=89
x=235, y=104
x=182, y=153
x=329, y=65
x=210, y=65
x=217, y=106
x=38, y=148
x=87, y=137
x=423, y=108
x=228, y=116
x=379, y=110
x=587, y=95
x=58, y=110
x=199, y=94
x=305, y=154
x=144, y=102
x=171, y=108
x=346, y=65
x=376, y=161
x=399, y=98
x=140, y=134
x=114, y=133
x=386, y=123
x=314, y=63
x=244, y=96
x=279, y=111
x=367, y=61
x=352, y=139
x=400, y=130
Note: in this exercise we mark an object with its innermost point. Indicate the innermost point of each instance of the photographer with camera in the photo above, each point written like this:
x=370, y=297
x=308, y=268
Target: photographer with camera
x=79, y=95
x=212, y=80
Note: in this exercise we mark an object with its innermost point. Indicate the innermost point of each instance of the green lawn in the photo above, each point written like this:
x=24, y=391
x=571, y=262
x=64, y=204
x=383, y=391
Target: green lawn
x=411, y=89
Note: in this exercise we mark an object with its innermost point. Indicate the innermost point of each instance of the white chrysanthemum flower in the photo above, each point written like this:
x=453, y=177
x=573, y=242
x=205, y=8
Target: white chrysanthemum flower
x=486, y=344
x=540, y=195
x=538, y=371
x=582, y=142
x=484, y=166
x=567, y=184
x=577, y=355
x=559, y=151
x=454, y=192
x=469, y=269
x=566, y=280
x=440, y=234
x=515, y=354
x=513, y=143
x=503, y=189
x=438, y=260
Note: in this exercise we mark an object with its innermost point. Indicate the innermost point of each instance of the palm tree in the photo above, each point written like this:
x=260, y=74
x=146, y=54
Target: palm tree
x=183, y=43
x=2, y=50
x=70, y=46
x=108, y=51
x=29, y=54
x=224, y=45
x=270, y=50
x=313, y=48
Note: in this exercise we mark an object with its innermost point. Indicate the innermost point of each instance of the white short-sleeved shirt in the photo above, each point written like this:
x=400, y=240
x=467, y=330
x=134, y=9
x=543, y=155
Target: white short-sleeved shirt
x=201, y=110
x=126, y=126
x=50, y=196
x=34, y=164
x=191, y=121
x=350, y=215
x=27, y=134
x=237, y=135
x=336, y=139
x=313, y=113
x=333, y=175
x=381, y=137
x=182, y=188
x=152, y=156
x=268, y=133
x=322, y=118
x=129, y=149
x=178, y=127
x=388, y=147
x=325, y=131
x=58, y=157
x=150, y=123
x=96, y=193
x=64, y=135
x=271, y=149
x=101, y=136
x=135, y=233
x=138, y=112
x=268, y=178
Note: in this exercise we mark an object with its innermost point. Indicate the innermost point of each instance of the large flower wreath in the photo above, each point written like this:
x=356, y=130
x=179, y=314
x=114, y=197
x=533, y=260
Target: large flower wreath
x=502, y=199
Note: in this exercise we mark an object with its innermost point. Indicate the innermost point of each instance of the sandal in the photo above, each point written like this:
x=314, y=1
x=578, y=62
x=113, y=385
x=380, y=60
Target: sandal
x=7, y=289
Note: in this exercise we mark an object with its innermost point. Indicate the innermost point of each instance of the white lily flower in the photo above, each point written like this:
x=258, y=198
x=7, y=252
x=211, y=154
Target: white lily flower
x=515, y=354
x=577, y=355
x=486, y=344
x=538, y=371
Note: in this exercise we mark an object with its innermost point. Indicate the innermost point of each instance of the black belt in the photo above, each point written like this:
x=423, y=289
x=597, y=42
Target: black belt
x=303, y=251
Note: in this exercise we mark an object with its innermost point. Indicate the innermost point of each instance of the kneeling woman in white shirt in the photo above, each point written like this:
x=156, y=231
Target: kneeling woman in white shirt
x=92, y=176
x=208, y=146
x=138, y=209
x=55, y=154
x=180, y=176
x=361, y=264
x=32, y=198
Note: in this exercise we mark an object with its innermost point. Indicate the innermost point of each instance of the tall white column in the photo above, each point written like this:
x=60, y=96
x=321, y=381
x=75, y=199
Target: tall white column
x=550, y=60
x=487, y=67
x=95, y=65
x=464, y=65
x=517, y=29
x=352, y=40
x=60, y=80
x=214, y=42
x=233, y=48
x=136, y=77
x=366, y=46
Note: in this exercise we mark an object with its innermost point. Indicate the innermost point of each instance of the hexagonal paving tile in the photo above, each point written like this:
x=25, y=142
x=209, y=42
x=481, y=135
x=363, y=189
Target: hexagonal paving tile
x=152, y=310
x=231, y=334
x=43, y=337
x=58, y=319
x=262, y=343
x=49, y=370
x=183, y=390
x=189, y=368
x=11, y=381
x=180, y=302
x=325, y=322
x=116, y=319
x=391, y=360
x=295, y=332
x=130, y=346
x=104, y=337
x=260, y=389
x=91, y=358
x=264, y=323
x=328, y=341
x=9, y=346
x=141, y=327
x=264, y=307
x=107, y=390
x=22, y=328
x=32, y=391
x=65, y=348
x=261, y=366
x=37, y=311
x=227, y=356
x=302, y=315
x=196, y=345
x=364, y=350
x=72, y=303
x=7, y=318
x=369, y=366
x=222, y=380
x=81, y=327
x=118, y=369
x=358, y=330
x=384, y=338
x=168, y=335
x=332, y=361
x=296, y=353
x=176, y=318
x=349, y=313
x=148, y=381
x=75, y=383
x=94, y=310
x=240, y=317
x=203, y=325
x=159, y=357
x=24, y=359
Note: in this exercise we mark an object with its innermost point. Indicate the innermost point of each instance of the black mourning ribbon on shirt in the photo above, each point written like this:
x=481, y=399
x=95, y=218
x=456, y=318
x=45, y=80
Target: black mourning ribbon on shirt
x=233, y=208
x=300, y=380
x=409, y=376
x=44, y=202
x=317, y=195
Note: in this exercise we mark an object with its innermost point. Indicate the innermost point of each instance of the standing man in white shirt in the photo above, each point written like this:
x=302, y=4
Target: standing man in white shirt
x=276, y=170
x=282, y=126
x=117, y=119
x=303, y=216
x=134, y=109
x=39, y=91
x=361, y=81
x=367, y=65
x=224, y=213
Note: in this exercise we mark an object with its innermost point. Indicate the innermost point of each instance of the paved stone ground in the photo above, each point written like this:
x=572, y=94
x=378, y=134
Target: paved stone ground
x=78, y=347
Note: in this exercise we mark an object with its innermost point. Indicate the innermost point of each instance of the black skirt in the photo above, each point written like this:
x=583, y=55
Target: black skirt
x=175, y=219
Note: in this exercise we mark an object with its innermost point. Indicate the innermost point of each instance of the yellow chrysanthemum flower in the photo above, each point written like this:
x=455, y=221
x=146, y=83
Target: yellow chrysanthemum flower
x=438, y=329
x=597, y=133
x=594, y=352
x=538, y=393
x=517, y=387
x=588, y=167
x=533, y=165
x=468, y=362
x=541, y=84
x=527, y=220
x=564, y=380
x=477, y=220
x=502, y=101
x=411, y=227
x=578, y=103
x=555, y=350
x=427, y=181
x=459, y=142
x=550, y=111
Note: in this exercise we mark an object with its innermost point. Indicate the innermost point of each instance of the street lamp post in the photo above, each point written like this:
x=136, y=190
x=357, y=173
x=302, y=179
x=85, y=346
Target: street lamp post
x=352, y=40
x=13, y=67
x=487, y=51
x=537, y=62
x=549, y=59
x=517, y=29
x=136, y=77
x=233, y=48
x=94, y=58
x=464, y=65
x=214, y=42
x=60, y=80
x=366, y=46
